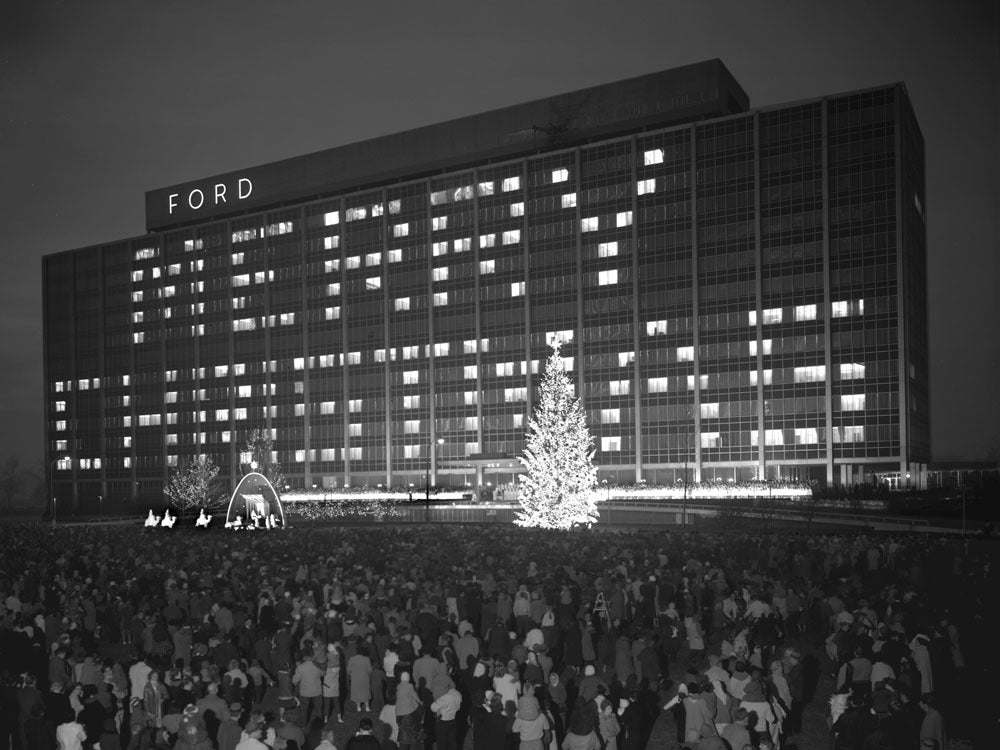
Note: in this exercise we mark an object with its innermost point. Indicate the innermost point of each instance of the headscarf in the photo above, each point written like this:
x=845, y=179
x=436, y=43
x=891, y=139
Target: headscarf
x=407, y=700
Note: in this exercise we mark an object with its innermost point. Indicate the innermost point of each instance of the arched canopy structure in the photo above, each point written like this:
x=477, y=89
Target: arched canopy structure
x=254, y=494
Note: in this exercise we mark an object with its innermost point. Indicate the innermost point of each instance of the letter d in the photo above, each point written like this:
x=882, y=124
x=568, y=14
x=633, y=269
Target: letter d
x=245, y=183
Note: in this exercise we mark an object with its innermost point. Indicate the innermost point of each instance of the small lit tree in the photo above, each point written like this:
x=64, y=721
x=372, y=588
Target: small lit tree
x=194, y=485
x=258, y=455
x=559, y=487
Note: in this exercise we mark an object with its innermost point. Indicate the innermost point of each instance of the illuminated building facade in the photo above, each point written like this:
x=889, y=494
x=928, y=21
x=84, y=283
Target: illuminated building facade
x=741, y=294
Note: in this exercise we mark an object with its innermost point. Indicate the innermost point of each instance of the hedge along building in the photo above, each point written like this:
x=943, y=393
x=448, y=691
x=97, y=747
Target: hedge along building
x=741, y=293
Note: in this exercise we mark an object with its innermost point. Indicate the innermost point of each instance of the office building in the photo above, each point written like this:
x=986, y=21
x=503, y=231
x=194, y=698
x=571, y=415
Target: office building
x=741, y=293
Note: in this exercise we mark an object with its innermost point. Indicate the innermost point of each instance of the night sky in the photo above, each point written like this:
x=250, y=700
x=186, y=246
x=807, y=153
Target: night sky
x=102, y=100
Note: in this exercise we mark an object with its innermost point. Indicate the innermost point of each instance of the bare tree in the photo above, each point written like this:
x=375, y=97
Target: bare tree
x=194, y=485
x=259, y=448
x=11, y=478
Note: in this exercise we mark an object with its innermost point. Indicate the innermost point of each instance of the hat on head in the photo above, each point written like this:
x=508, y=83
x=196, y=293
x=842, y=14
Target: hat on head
x=589, y=670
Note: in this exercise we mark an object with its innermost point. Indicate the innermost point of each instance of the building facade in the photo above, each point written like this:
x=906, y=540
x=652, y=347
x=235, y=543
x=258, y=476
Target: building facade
x=741, y=294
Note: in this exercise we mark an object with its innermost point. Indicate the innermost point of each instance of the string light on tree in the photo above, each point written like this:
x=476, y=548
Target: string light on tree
x=559, y=487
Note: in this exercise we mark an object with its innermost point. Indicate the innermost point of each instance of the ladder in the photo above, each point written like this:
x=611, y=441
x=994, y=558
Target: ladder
x=601, y=609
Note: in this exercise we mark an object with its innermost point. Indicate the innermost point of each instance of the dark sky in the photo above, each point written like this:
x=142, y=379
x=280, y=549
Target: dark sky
x=101, y=100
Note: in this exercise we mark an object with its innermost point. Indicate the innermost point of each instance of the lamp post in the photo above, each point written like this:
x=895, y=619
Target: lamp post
x=427, y=477
x=52, y=482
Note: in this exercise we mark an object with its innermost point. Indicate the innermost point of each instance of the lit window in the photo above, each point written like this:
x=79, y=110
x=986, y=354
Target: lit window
x=469, y=346
x=378, y=210
x=854, y=434
x=646, y=186
x=504, y=369
x=441, y=273
x=560, y=175
x=298, y=363
x=440, y=299
x=373, y=282
x=439, y=222
x=487, y=240
x=772, y=315
x=752, y=317
x=657, y=385
x=471, y=398
x=611, y=443
x=462, y=244
x=353, y=261
x=354, y=358
x=401, y=230
x=411, y=451
x=373, y=259
x=589, y=224
x=485, y=188
x=805, y=312
x=767, y=379
x=331, y=217
x=515, y=394
x=607, y=249
x=806, y=436
x=487, y=266
x=411, y=426
x=439, y=248
x=331, y=243
x=442, y=349
x=852, y=371
x=623, y=219
x=625, y=358
x=653, y=156
x=394, y=256
x=710, y=411
x=327, y=407
x=402, y=303
x=710, y=439
x=685, y=354
x=512, y=236
x=656, y=327
x=395, y=206
x=569, y=200
x=517, y=289
x=332, y=313
x=411, y=402
x=353, y=214
x=852, y=402
x=439, y=197
x=611, y=416
x=810, y=374
x=222, y=415
x=516, y=209
x=511, y=183
x=354, y=405
x=620, y=387
x=606, y=278
x=463, y=193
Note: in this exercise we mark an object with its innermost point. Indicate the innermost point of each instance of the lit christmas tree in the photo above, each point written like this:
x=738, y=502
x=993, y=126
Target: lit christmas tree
x=558, y=489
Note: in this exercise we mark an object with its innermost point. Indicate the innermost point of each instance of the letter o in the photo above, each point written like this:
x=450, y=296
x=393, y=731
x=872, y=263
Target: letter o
x=201, y=199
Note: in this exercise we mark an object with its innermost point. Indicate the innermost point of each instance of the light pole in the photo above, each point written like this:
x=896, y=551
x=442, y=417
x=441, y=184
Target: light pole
x=52, y=482
x=427, y=477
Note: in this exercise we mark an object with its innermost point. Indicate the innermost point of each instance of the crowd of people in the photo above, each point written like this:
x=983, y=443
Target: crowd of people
x=368, y=638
